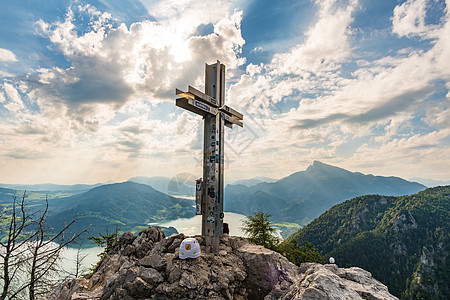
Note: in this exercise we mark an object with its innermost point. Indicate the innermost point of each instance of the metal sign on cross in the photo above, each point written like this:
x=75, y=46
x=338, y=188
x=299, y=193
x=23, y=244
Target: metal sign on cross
x=209, y=188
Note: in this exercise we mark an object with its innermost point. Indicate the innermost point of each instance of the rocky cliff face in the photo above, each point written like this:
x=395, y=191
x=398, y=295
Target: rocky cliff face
x=148, y=267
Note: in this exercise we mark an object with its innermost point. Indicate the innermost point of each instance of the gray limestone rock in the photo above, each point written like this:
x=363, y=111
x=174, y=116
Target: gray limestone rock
x=267, y=270
x=330, y=282
x=153, y=261
x=150, y=275
x=148, y=267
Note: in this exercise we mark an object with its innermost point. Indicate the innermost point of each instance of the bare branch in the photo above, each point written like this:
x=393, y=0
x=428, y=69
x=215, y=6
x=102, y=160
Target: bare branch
x=30, y=249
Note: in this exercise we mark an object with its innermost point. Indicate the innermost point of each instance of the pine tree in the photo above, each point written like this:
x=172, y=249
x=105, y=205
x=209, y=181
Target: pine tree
x=103, y=240
x=259, y=230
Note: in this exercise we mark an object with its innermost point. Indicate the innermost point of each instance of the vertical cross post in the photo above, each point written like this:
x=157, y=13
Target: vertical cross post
x=211, y=105
x=212, y=216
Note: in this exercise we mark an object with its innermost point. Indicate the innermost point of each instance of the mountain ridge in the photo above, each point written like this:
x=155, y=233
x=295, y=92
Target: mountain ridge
x=127, y=205
x=253, y=181
x=170, y=186
x=47, y=187
x=306, y=194
x=430, y=182
x=297, y=198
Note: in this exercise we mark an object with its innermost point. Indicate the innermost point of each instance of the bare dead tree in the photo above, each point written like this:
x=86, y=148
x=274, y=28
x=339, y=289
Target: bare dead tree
x=79, y=269
x=40, y=252
x=12, y=259
x=46, y=251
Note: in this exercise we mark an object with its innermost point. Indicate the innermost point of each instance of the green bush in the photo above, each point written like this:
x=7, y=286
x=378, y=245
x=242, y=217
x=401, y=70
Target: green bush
x=296, y=254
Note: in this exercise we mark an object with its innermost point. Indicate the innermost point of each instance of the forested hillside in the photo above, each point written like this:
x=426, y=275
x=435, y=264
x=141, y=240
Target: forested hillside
x=403, y=241
x=127, y=205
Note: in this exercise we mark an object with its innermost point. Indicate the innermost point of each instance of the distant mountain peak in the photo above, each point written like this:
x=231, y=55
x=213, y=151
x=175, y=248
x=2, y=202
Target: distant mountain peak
x=305, y=195
x=320, y=166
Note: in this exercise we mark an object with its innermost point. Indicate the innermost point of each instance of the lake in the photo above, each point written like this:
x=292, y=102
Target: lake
x=89, y=255
x=67, y=264
x=193, y=226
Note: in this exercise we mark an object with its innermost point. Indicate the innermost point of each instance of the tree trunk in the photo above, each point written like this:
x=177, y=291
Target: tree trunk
x=31, y=290
x=6, y=279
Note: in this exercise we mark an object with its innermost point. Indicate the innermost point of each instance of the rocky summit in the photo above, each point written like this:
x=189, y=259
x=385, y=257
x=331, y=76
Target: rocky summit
x=147, y=266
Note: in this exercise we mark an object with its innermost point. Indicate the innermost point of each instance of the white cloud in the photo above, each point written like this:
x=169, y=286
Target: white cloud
x=41, y=28
x=416, y=154
x=7, y=55
x=5, y=74
x=184, y=16
x=111, y=66
x=438, y=114
x=441, y=50
x=326, y=45
x=224, y=44
x=310, y=66
x=409, y=19
x=15, y=101
x=252, y=69
x=257, y=50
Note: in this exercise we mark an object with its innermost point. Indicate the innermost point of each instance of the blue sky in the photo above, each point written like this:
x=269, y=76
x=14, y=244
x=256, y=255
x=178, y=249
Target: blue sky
x=87, y=87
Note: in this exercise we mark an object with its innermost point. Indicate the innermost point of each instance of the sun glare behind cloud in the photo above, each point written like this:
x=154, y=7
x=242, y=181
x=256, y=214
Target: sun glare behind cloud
x=180, y=50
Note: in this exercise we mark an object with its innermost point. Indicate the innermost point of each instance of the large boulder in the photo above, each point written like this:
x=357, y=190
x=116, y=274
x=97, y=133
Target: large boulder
x=147, y=266
x=268, y=271
x=330, y=282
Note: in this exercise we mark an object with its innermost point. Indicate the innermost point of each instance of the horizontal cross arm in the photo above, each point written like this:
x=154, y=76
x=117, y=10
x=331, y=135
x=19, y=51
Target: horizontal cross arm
x=230, y=120
x=193, y=93
x=230, y=111
x=202, y=96
x=196, y=106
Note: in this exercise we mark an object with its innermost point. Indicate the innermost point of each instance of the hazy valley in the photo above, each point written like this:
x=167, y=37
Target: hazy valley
x=292, y=201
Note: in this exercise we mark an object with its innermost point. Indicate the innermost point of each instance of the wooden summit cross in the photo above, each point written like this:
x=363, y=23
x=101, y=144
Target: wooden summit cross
x=209, y=189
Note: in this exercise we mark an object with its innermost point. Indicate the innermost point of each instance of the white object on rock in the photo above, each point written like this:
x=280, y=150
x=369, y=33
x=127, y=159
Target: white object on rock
x=331, y=260
x=189, y=248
